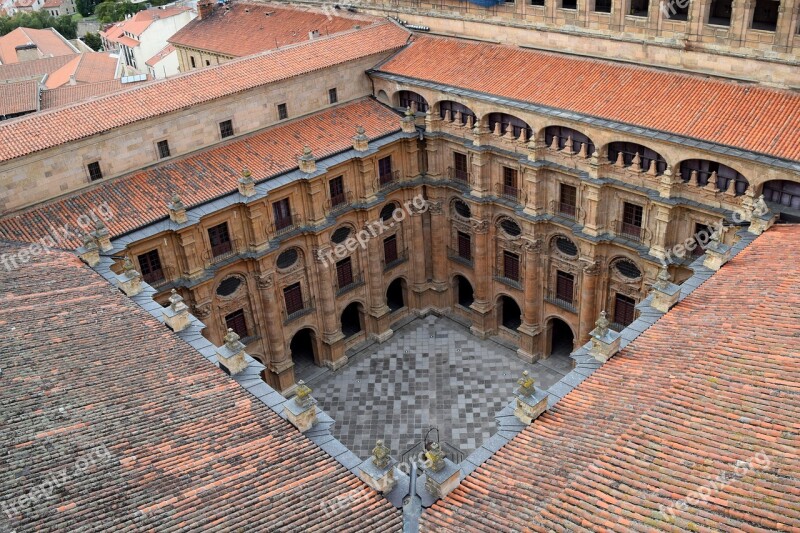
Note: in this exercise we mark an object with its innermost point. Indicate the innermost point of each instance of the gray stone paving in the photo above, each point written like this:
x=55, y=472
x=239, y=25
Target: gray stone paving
x=432, y=372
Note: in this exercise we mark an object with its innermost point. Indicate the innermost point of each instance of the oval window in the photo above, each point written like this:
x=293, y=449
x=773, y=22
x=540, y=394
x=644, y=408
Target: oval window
x=510, y=227
x=387, y=211
x=340, y=234
x=462, y=209
x=628, y=269
x=566, y=246
x=228, y=286
x=287, y=258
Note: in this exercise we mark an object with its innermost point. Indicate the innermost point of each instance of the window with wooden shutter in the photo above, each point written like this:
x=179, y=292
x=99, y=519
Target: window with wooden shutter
x=237, y=323
x=293, y=298
x=632, y=219
x=464, y=246
x=565, y=284
x=568, y=200
x=150, y=266
x=511, y=266
x=385, y=169
x=219, y=239
x=390, y=249
x=336, y=188
x=460, y=166
x=624, y=309
x=344, y=272
x=282, y=213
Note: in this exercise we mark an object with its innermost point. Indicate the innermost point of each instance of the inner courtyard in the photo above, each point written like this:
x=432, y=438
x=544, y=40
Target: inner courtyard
x=433, y=373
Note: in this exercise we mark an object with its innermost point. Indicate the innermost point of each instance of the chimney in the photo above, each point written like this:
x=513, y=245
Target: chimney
x=313, y=34
x=204, y=9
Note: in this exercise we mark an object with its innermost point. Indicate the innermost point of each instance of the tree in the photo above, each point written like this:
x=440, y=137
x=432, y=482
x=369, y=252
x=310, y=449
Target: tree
x=110, y=11
x=93, y=41
x=86, y=7
x=39, y=20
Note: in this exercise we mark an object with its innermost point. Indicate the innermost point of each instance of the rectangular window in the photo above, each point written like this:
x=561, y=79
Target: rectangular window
x=220, y=239
x=390, y=249
x=282, y=214
x=639, y=8
x=624, y=309
x=226, y=128
x=565, y=284
x=163, y=149
x=191, y=60
x=385, y=169
x=293, y=298
x=509, y=178
x=510, y=266
x=237, y=323
x=464, y=246
x=332, y=97
x=537, y=2
x=632, y=219
x=336, y=189
x=568, y=200
x=701, y=233
x=460, y=166
x=720, y=12
x=208, y=62
x=94, y=171
x=283, y=114
x=569, y=4
x=602, y=6
x=344, y=273
x=150, y=267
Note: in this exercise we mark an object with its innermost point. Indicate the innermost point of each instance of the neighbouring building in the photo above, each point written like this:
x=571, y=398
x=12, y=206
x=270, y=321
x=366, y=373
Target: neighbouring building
x=27, y=44
x=58, y=8
x=145, y=34
x=164, y=63
x=305, y=200
x=223, y=31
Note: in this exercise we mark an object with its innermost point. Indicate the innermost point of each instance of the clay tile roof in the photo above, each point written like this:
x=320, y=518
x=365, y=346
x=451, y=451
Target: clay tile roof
x=710, y=392
x=743, y=116
x=48, y=41
x=33, y=69
x=150, y=435
x=139, y=22
x=50, y=4
x=245, y=29
x=68, y=94
x=19, y=97
x=167, y=50
x=51, y=128
x=140, y=198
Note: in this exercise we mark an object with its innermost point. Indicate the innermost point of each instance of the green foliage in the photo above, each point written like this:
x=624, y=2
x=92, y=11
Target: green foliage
x=39, y=20
x=111, y=11
x=86, y=7
x=93, y=41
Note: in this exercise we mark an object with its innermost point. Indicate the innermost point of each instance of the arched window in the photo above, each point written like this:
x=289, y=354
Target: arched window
x=629, y=151
x=505, y=121
x=783, y=192
x=562, y=134
x=413, y=100
x=455, y=108
x=705, y=168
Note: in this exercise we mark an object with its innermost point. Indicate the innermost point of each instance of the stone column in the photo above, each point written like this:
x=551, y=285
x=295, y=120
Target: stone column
x=331, y=332
x=256, y=215
x=659, y=241
x=590, y=202
x=438, y=248
x=530, y=184
x=191, y=247
x=741, y=15
x=378, y=309
x=482, y=324
x=588, y=300
x=281, y=375
x=417, y=243
x=412, y=161
x=317, y=200
x=480, y=183
x=787, y=22
x=532, y=302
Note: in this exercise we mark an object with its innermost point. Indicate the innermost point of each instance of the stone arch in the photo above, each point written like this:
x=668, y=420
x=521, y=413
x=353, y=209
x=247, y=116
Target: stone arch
x=700, y=171
x=624, y=154
x=461, y=295
x=453, y=109
x=783, y=196
x=560, y=335
x=503, y=124
x=352, y=318
x=417, y=102
x=565, y=135
x=304, y=351
x=509, y=313
x=397, y=294
x=384, y=98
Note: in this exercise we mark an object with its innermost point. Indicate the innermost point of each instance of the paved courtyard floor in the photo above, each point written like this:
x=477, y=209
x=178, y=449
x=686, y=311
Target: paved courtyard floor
x=431, y=373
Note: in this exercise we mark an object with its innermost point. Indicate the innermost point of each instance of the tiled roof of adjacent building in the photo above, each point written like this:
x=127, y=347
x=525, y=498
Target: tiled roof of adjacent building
x=141, y=198
x=738, y=115
x=705, y=403
x=19, y=97
x=51, y=128
x=126, y=427
x=153, y=61
x=33, y=69
x=68, y=94
x=89, y=67
x=243, y=29
x=48, y=42
x=139, y=22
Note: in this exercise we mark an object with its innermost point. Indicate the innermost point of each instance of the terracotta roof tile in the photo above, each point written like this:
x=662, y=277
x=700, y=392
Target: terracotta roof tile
x=244, y=29
x=35, y=68
x=170, y=445
x=69, y=94
x=167, y=50
x=48, y=41
x=19, y=97
x=141, y=198
x=752, y=118
x=139, y=22
x=715, y=381
x=51, y=128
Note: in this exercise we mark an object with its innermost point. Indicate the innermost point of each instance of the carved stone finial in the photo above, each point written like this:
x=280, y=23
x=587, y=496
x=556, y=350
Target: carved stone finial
x=760, y=207
x=620, y=160
x=246, y=184
x=89, y=242
x=582, y=152
x=176, y=301
x=636, y=163
x=652, y=171
x=663, y=279
x=435, y=457
x=307, y=162
x=526, y=384
x=232, y=340
x=127, y=265
x=361, y=141
x=176, y=202
x=177, y=211
x=407, y=123
x=602, y=324
x=712, y=182
x=381, y=454
x=302, y=394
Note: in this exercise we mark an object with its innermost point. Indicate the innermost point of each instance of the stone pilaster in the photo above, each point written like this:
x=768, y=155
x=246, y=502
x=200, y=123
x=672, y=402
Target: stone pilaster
x=482, y=325
x=419, y=282
x=378, y=309
x=588, y=301
x=438, y=247
x=332, y=334
x=590, y=202
x=659, y=242
x=190, y=250
x=532, y=302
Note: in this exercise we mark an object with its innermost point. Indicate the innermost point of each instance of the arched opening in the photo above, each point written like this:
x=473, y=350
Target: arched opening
x=465, y=295
x=565, y=135
x=303, y=351
x=351, y=319
x=395, y=295
x=509, y=313
x=455, y=108
x=383, y=97
x=783, y=196
x=415, y=101
x=561, y=337
x=625, y=153
x=701, y=170
x=500, y=123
